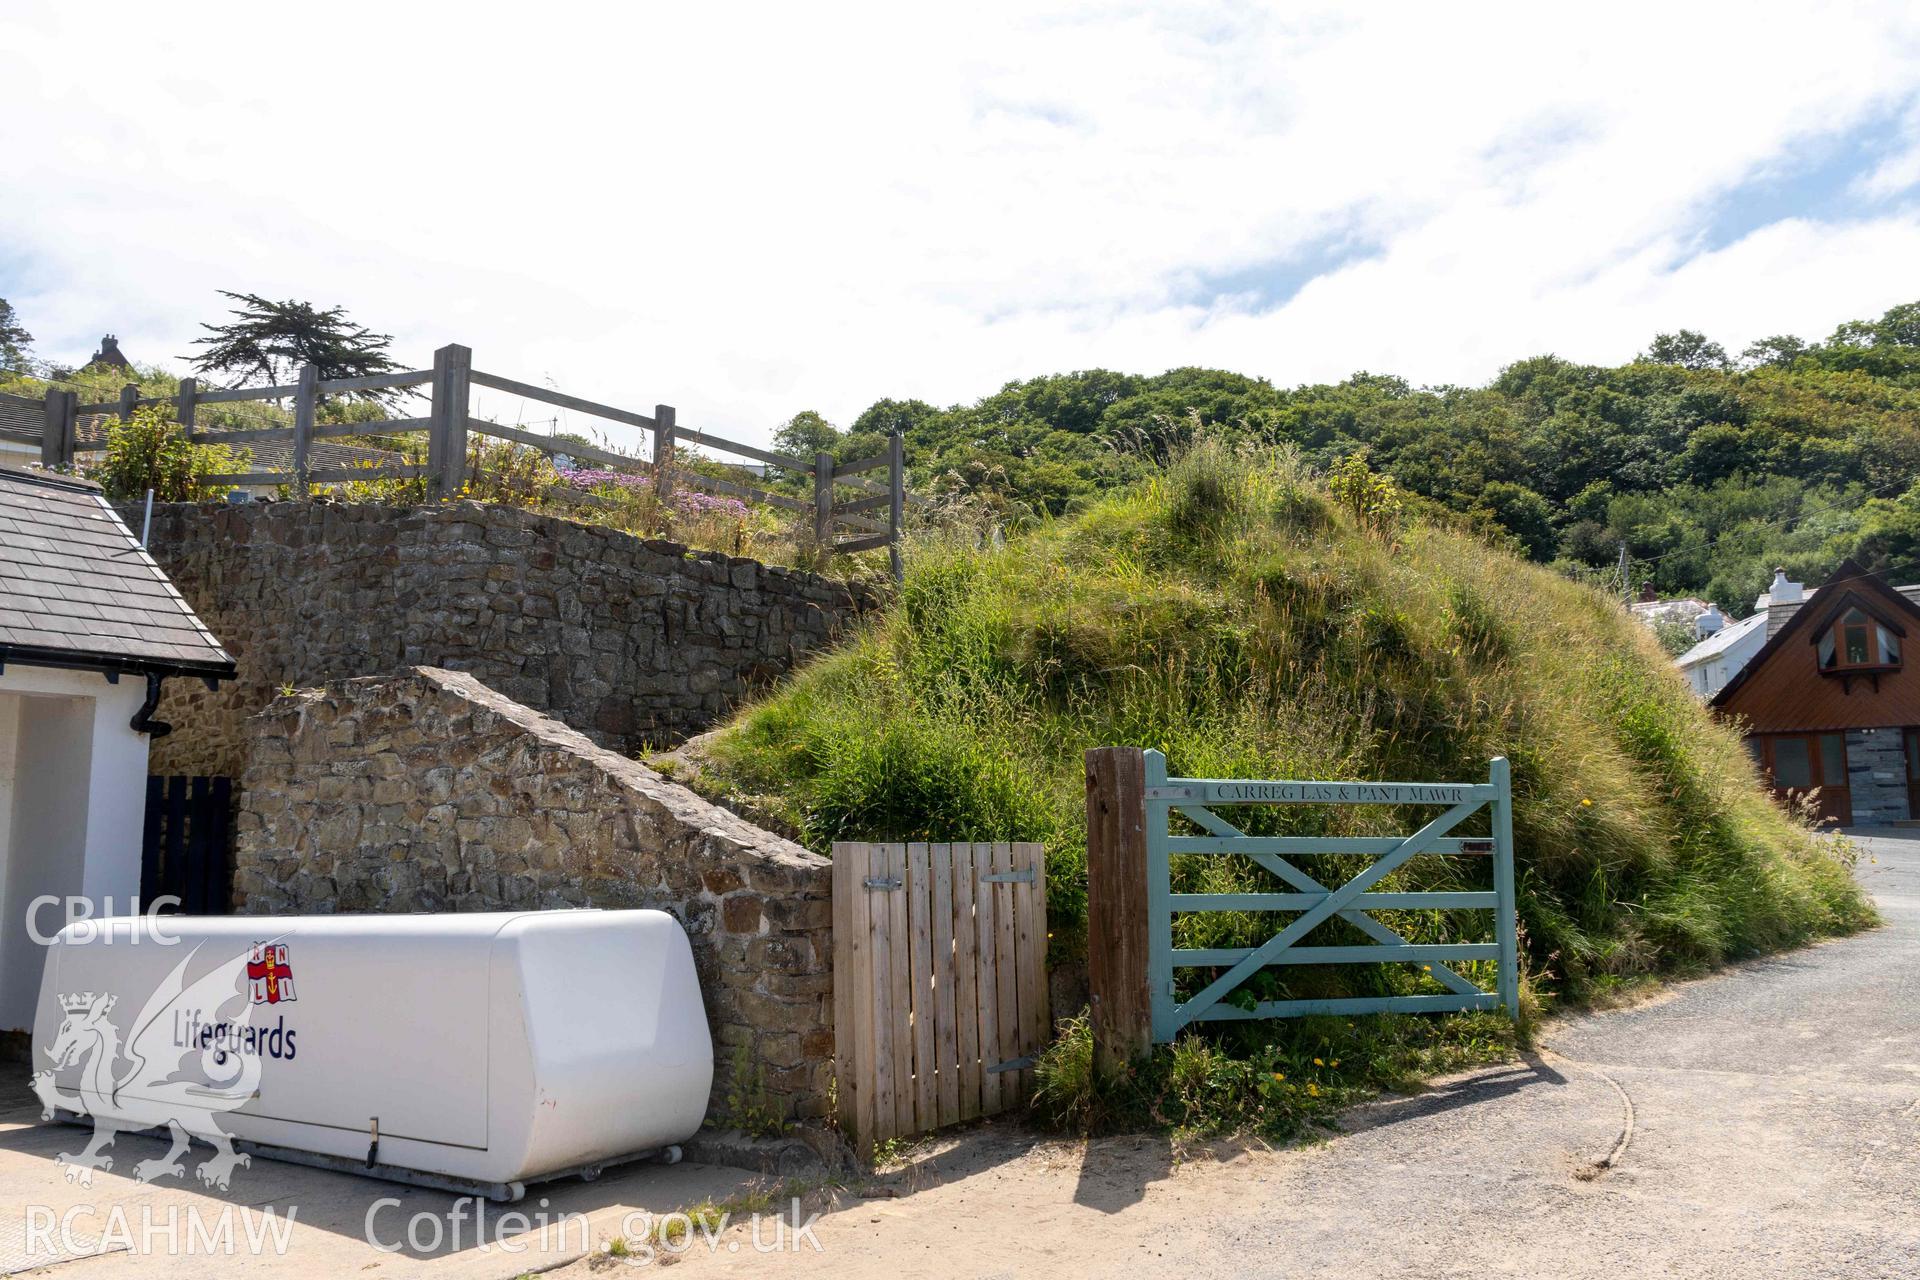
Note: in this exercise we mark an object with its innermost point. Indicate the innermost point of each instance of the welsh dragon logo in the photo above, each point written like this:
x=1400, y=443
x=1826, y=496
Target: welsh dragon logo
x=162, y=1083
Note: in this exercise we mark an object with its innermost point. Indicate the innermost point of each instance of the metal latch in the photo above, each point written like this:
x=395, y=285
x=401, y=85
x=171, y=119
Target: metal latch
x=882, y=882
x=1011, y=877
x=1476, y=846
x=1011, y=1064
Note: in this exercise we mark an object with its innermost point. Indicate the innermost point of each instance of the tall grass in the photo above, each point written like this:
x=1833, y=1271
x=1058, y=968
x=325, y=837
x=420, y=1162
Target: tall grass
x=1232, y=615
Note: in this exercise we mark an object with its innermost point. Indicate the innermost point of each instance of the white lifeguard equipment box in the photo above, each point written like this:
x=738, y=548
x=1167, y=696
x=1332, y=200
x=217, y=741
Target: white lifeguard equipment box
x=476, y=1052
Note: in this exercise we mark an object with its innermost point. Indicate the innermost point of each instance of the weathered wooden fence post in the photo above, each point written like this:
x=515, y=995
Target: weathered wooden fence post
x=1122, y=1012
x=128, y=394
x=56, y=431
x=306, y=399
x=447, y=438
x=664, y=421
x=823, y=499
x=897, y=507
x=183, y=409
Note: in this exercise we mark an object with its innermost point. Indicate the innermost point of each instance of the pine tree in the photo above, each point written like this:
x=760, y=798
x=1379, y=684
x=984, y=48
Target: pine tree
x=269, y=341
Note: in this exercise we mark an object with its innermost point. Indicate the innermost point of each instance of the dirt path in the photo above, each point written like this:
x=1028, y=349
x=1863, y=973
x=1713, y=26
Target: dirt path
x=1765, y=1122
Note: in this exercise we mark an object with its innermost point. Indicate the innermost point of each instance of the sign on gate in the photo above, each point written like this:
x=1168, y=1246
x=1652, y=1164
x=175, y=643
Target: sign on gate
x=1313, y=902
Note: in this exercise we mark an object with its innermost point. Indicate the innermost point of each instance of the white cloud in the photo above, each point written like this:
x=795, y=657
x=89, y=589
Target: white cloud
x=747, y=211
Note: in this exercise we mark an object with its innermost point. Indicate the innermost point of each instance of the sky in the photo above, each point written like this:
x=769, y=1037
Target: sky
x=746, y=211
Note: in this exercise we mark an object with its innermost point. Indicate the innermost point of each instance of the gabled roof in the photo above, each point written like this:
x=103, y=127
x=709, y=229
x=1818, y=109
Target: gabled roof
x=77, y=590
x=1850, y=584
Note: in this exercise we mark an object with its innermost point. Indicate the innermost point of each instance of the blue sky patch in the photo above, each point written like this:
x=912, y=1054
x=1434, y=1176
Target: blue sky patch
x=1266, y=286
x=1814, y=180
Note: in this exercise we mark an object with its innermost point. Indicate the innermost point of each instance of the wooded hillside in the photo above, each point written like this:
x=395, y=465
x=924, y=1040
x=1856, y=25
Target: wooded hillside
x=1711, y=470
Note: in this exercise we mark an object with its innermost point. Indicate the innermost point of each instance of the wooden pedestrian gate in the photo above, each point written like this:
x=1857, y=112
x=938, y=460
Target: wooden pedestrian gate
x=939, y=981
x=185, y=844
x=1199, y=799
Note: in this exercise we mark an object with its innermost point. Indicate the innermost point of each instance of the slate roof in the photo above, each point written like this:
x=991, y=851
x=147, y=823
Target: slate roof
x=76, y=589
x=1720, y=641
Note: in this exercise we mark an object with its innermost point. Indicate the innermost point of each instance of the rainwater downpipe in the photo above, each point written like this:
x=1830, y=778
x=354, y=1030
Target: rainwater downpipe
x=143, y=721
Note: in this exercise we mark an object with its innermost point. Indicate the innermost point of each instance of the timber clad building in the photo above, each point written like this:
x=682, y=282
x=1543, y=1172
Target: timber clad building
x=1831, y=704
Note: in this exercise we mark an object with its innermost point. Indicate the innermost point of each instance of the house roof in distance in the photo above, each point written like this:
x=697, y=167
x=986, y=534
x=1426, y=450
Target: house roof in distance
x=1720, y=641
x=77, y=589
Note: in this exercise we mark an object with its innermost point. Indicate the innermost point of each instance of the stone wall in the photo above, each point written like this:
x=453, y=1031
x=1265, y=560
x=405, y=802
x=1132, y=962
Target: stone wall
x=427, y=791
x=1877, y=776
x=626, y=639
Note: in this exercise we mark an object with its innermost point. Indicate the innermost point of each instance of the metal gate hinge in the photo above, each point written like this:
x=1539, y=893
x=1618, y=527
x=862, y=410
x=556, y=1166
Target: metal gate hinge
x=1011, y=1064
x=881, y=882
x=1011, y=877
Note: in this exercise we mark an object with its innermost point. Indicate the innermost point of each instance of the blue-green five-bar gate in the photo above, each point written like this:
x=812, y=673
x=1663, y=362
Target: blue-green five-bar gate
x=1132, y=805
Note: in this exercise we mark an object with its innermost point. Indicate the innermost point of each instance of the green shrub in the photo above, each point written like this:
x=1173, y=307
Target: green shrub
x=150, y=451
x=1275, y=1080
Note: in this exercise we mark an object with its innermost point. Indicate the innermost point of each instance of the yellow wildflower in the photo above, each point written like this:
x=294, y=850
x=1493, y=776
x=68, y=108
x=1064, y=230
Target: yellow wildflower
x=1585, y=803
x=1318, y=1063
x=1313, y=1090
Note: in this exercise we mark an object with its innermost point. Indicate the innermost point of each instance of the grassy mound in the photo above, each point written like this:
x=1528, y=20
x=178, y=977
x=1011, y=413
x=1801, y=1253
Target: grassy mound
x=1251, y=621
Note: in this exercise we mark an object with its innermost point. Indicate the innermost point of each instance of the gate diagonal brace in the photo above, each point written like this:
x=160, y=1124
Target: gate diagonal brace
x=1215, y=825
x=1335, y=902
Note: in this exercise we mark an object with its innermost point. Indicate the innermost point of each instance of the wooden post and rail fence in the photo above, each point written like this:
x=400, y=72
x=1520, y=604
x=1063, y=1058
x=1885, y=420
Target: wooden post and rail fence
x=850, y=512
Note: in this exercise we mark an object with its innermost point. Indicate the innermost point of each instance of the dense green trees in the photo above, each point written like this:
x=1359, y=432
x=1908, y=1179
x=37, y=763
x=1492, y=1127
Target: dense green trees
x=1710, y=471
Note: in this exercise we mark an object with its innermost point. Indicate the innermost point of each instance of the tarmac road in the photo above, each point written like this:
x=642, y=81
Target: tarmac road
x=1775, y=1132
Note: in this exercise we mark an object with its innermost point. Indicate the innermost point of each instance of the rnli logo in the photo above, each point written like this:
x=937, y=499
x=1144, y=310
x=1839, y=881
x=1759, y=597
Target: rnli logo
x=269, y=975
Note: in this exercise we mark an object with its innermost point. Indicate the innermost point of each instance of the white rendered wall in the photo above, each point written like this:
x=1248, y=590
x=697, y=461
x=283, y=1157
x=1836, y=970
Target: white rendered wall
x=78, y=796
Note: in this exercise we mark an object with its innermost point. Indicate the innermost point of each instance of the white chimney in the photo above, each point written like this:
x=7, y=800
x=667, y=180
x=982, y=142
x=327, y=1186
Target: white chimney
x=1710, y=622
x=1785, y=592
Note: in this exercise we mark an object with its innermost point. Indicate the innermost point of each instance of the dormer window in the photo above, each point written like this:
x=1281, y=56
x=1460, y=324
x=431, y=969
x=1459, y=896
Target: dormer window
x=1856, y=642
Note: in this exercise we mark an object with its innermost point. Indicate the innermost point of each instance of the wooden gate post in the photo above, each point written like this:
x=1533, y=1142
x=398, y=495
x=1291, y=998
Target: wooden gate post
x=1122, y=1012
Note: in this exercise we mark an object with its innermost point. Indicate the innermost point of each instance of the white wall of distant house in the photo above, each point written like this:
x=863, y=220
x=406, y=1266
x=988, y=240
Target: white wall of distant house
x=1711, y=674
x=73, y=782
